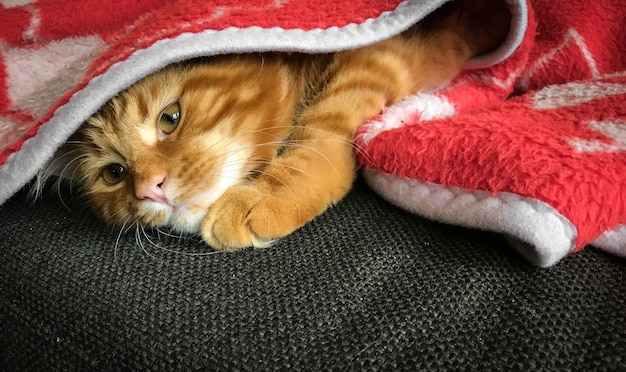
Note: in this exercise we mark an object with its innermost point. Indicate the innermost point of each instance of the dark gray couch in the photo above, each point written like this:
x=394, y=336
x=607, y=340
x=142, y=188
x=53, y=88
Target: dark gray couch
x=365, y=286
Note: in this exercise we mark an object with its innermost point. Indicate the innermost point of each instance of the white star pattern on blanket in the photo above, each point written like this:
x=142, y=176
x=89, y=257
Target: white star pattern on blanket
x=616, y=130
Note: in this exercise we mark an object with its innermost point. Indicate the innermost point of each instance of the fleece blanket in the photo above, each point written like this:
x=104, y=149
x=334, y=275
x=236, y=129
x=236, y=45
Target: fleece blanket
x=528, y=141
x=533, y=147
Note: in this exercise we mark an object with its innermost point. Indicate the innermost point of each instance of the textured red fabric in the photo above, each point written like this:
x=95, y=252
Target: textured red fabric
x=520, y=149
x=105, y=18
x=547, y=124
x=15, y=22
x=576, y=40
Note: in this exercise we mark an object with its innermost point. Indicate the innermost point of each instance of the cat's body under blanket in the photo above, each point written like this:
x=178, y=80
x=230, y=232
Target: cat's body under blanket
x=244, y=149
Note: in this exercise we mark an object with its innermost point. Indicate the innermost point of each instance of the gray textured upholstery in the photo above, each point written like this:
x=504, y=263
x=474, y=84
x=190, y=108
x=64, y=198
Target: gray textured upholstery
x=364, y=286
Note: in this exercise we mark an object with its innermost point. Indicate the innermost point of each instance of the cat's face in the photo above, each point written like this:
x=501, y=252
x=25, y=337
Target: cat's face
x=165, y=150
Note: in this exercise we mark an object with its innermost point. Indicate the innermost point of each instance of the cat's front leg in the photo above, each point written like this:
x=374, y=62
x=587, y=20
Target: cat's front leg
x=292, y=190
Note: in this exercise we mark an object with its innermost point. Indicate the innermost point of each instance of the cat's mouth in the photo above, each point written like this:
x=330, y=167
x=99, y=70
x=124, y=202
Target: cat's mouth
x=183, y=216
x=183, y=207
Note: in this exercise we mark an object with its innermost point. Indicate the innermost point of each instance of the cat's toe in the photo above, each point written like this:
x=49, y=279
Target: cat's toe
x=230, y=238
x=228, y=225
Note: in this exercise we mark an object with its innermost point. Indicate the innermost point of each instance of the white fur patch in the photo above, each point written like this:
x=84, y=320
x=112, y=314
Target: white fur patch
x=230, y=174
x=148, y=134
x=189, y=218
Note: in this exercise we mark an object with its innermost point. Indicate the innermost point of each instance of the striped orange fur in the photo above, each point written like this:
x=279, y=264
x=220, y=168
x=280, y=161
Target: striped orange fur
x=244, y=149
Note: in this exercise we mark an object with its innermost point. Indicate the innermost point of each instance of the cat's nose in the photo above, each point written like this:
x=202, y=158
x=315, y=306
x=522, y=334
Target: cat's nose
x=152, y=188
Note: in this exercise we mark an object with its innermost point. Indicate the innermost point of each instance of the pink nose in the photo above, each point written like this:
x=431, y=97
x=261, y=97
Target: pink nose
x=152, y=188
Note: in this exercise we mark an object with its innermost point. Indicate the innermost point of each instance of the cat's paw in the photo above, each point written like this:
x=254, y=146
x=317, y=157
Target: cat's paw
x=244, y=217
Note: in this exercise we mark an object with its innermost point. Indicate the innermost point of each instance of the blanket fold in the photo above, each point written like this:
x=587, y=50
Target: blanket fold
x=528, y=141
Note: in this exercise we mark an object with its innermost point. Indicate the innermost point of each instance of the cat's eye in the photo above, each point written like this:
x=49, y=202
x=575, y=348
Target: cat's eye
x=169, y=118
x=113, y=174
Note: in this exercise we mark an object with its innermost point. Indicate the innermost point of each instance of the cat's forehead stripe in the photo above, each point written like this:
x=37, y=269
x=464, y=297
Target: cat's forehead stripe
x=136, y=112
x=142, y=107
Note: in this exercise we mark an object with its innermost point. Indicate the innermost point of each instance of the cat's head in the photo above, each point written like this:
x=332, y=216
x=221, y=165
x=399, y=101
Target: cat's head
x=163, y=151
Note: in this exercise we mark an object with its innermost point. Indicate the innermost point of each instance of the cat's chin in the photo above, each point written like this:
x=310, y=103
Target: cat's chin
x=177, y=218
x=185, y=222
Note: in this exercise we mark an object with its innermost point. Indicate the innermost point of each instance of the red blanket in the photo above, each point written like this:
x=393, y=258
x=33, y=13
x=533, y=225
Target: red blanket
x=533, y=147
x=545, y=167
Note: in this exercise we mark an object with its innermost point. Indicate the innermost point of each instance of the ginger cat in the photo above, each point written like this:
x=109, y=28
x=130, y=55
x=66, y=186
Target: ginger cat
x=244, y=149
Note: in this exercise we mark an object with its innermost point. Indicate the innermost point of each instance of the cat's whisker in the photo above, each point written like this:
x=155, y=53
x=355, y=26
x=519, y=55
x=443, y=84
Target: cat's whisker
x=246, y=133
x=61, y=199
x=221, y=141
x=293, y=143
x=58, y=184
x=267, y=162
x=59, y=181
x=169, y=234
x=173, y=251
x=123, y=230
x=55, y=168
x=358, y=149
x=258, y=161
x=320, y=153
x=288, y=139
x=334, y=137
x=77, y=142
x=246, y=148
x=152, y=243
x=287, y=142
x=261, y=172
x=63, y=156
x=180, y=235
x=295, y=126
x=158, y=237
x=139, y=232
x=83, y=160
x=137, y=235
